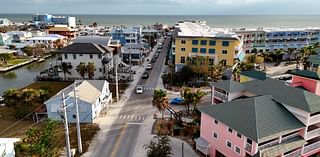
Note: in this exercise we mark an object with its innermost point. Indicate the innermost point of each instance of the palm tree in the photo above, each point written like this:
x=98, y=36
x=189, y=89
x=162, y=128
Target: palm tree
x=91, y=68
x=160, y=100
x=11, y=97
x=159, y=146
x=65, y=67
x=81, y=69
x=187, y=97
x=197, y=96
x=290, y=52
x=265, y=56
x=278, y=53
x=305, y=54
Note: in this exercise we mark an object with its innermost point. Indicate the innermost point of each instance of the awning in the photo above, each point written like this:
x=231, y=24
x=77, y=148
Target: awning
x=202, y=145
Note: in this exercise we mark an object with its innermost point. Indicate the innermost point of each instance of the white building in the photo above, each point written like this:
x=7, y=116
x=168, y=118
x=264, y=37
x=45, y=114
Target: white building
x=92, y=97
x=4, y=22
x=50, y=40
x=7, y=147
x=77, y=53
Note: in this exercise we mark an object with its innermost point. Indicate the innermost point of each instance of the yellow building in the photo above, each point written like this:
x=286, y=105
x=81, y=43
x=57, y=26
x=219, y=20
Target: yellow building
x=194, y=40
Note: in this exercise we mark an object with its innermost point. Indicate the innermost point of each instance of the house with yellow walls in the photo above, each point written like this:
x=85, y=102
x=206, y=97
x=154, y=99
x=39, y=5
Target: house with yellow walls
x=195, y=41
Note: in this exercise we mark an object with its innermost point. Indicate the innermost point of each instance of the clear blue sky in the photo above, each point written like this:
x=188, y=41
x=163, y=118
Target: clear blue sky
x=164, y=7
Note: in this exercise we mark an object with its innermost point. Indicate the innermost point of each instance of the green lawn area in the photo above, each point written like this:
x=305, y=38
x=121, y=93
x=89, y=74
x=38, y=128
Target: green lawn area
x=14, y=62
x=54, y=87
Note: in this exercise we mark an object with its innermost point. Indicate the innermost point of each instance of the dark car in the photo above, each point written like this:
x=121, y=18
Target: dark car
x=153, y=59
x=145, y=75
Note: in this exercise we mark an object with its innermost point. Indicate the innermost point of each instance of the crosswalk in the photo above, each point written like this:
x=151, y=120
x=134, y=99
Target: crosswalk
x=148, y=88
x=131, y=117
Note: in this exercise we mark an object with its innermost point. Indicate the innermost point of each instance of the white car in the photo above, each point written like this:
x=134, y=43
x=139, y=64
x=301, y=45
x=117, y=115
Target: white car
x=139, y=89
x=149, y=66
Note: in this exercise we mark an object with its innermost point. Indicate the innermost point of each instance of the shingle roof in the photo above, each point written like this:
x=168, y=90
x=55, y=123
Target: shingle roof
x=284, y=94
x=229, y=86
x=258, y=118
x=306, y=73
x=254, y=74
x=85, y=48
x=93, y=39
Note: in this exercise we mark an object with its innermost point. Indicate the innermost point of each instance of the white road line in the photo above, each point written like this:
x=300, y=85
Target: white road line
x=120, y=116
x=135, y=123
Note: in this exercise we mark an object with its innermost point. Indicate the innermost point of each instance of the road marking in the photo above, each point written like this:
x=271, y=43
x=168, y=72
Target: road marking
x=135, y=123
x=119, y=138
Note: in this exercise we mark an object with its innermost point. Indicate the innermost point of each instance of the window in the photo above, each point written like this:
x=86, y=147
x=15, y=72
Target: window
x=229, y=144
x=212, y=43
x=224, y=52
x=230, y=130
x=203, y=42
x=195, y=42
x=100, y=69
x=216, y=122
x=212, y=51
x=91, y=56
x=74, y=56
x=65, y=56
x=211, y=62
x=203, y=50
x=239, y=135
x=249, y=141
x=80, y=55
x=183, y=42
x=99, y=56
x=182, y=59
x=214, y=135
x=238, y=150
x=74, y=116
x=225, y=43
x=195, y=50
x=183, y=49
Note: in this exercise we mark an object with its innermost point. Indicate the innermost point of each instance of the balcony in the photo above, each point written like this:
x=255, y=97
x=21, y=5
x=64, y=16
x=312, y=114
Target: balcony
x=313, y=133
x=296, y=153
x=314, y=119
x=248, y=147
x=311, y=147
x=220, y=96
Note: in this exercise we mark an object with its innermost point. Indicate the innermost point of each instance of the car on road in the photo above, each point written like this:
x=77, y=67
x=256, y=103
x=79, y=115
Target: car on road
x=153, y=59
x=176, y=101
x=149, y=66
x=156, y=55
x=139, y=89
x=145, y=75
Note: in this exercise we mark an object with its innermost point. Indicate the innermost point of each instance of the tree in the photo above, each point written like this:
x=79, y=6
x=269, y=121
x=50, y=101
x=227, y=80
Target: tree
x=38, y=51
x=94, y=24
x=91, y=69
x=278, y=53
x=197, y=96
x=28, y=50
x=11, y=97
x=187, y=97
x=65, y=67
x=159, y=146
x=290, y=52
x=160, y=100
x=5, y=57
x=82, y=69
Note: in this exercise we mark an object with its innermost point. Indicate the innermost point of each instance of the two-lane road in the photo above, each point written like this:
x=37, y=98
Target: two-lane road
x=121, y=140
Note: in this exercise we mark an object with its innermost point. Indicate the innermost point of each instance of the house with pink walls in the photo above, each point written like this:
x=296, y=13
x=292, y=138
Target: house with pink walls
x=309, y=80
x=269, y=119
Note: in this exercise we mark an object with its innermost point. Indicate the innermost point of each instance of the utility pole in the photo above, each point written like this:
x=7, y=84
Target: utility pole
x=78, y=121
x=130, y=76
x=66, y=126
x=117, y=89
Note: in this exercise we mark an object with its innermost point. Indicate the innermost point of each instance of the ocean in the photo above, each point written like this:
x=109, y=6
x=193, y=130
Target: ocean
x=229, y=21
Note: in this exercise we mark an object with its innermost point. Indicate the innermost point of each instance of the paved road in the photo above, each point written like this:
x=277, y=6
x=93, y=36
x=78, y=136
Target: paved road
x=120, y=141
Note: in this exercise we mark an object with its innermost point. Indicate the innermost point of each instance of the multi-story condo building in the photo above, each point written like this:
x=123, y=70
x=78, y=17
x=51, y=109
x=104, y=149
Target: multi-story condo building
x=127, y=35
x=268, y=40
x=48, y=19
x=194, y=39
x=260, y=117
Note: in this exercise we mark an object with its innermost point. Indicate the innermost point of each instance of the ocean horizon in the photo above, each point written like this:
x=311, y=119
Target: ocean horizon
x=229, y=21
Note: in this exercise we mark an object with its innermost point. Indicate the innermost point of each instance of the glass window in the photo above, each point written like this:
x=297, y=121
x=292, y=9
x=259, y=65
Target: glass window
x=214, y=135
x=80, y=55
x=182, y=59
x=224, y=52
x=65, y=56
x=74, y=56
x=215, y=121
x=239, y=135
x=230, y=130
x=212, y=42
x=183, y=42
x=238, y=150
x=229, y=144
x=249, y=141
x=203, y=50
x=203, y=42
x=183, y=49
x=195, y=50
x=225, y=43
x=91, y=56
x=195, y=42
x=212, y=51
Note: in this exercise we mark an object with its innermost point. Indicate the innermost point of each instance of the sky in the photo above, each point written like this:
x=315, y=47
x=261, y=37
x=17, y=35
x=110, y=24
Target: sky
x=163, y=7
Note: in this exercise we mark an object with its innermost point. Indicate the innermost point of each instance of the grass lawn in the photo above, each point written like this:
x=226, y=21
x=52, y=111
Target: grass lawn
x=14, y=62
x=54, y=87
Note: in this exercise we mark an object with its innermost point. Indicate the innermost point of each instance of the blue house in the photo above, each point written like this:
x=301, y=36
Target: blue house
x=92, y=97
x=127, y=35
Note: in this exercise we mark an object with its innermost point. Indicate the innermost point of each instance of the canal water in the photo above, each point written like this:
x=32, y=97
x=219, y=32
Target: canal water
x=25, y=75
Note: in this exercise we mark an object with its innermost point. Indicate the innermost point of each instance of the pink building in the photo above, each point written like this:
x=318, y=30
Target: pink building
x=268, y=118
x=306, y=79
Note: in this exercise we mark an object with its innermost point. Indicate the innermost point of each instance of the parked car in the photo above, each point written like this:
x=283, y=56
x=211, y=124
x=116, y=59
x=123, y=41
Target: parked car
x=176, y=101
x=156, y=55
x=139, y=89
x=145, y=75
x=149, y=66
x=153, y=59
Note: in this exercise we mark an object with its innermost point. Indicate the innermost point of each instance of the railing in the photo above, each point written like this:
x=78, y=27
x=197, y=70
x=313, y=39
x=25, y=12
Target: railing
x=269, y=144
x=248, y=147
x=296, y=153
x=290, y=136
x=220, y=96
x=312, y=134
x=311, y=147
x=314, y=119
